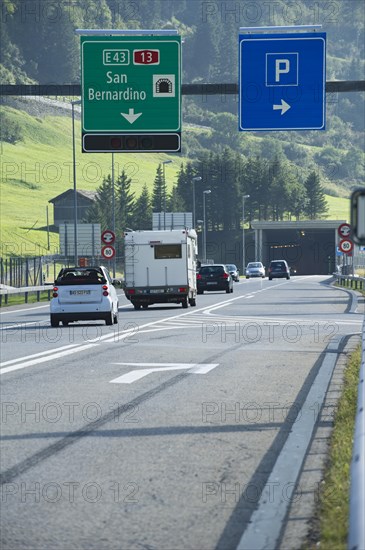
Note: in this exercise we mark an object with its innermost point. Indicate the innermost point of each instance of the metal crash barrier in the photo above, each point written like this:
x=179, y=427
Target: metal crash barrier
x=6, y=292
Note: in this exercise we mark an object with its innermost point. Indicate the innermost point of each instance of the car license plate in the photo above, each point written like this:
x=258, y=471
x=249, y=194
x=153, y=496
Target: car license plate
x=79, y=292
x=211, y=282
x=155, y=290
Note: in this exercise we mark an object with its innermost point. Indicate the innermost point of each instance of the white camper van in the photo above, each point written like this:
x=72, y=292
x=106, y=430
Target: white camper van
x=160, y=267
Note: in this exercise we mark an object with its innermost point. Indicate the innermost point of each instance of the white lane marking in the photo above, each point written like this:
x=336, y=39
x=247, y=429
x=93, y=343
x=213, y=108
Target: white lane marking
x=19, y=324
x=266, y=522
x=45, y=359
x=231, y=300
x=40, y=354
x=133, y=376
x=125, y=334
x=22, y=310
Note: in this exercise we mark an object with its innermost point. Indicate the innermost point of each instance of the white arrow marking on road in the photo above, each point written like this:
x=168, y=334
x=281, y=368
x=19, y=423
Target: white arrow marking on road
x=130, y=377
x=284, y=107
x=131, y=116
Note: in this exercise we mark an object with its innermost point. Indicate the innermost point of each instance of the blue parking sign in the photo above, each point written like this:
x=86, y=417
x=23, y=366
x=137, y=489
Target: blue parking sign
x=282, y=81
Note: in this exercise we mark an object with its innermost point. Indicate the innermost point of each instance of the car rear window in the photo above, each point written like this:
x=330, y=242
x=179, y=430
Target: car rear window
x=212, y=270
x=80, y=277
x=278, y=264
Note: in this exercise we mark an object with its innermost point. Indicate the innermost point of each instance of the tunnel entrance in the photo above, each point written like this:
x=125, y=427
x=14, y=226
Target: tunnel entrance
x=308, y=246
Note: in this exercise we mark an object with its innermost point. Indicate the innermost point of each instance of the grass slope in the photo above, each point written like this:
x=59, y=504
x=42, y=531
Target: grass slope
x=39, y=168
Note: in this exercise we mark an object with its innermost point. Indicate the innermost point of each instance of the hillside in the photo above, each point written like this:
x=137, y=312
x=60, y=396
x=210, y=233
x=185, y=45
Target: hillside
x=39, y=167
x=41, y=46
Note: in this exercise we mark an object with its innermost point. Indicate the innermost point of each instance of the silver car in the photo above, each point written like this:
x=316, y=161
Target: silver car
x=234, y=272
x=255, y=269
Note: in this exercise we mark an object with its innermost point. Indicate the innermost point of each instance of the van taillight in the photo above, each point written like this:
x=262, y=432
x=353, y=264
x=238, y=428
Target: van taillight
x=131, y=291
x=182, y=289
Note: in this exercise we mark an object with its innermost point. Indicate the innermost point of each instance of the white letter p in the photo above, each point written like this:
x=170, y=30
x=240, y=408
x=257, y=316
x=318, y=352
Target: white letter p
x=282, y=66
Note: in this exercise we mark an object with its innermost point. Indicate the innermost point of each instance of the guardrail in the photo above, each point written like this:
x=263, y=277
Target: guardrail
x=6, y=292
x=356, y=538
x=348, y=280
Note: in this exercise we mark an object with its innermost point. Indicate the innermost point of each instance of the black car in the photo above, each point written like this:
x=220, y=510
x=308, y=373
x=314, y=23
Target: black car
x=214, y=277
x=279, y=268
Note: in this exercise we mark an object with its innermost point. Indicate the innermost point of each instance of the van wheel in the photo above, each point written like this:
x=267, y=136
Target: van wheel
x=65, y=323
x=145, y=306
x=184, y=303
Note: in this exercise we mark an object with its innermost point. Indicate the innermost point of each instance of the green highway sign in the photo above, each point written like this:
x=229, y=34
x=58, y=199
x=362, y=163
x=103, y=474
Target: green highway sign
x=131, y=93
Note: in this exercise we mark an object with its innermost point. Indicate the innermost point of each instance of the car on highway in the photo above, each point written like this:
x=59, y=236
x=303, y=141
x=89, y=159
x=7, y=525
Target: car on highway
x=234, y=272
x=279, y=268
x=214, y=277
x=83, y=294
x=255, y=269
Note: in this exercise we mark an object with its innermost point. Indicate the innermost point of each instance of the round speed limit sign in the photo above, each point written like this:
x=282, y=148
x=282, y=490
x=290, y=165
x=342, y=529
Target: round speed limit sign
x=346, y=246
x=108, y=252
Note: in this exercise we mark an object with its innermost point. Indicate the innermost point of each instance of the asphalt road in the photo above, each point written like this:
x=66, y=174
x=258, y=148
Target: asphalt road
x=182, y=429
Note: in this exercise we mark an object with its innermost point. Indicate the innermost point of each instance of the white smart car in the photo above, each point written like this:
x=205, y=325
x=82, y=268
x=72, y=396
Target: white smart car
x=83, y=294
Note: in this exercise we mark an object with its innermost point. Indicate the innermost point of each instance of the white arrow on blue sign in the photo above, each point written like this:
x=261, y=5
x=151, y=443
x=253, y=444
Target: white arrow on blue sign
x=282, y=81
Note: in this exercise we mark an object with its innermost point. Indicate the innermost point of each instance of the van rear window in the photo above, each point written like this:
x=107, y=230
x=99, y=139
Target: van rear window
x=167, y=251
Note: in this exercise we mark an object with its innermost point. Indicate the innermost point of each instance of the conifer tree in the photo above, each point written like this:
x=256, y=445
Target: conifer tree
x=159, y=191
x=142, y=215
x=101, y=210
x=316, y=202
x=124, y=202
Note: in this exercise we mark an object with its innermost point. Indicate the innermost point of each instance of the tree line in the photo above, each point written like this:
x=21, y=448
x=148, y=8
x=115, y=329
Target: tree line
x=276, y=192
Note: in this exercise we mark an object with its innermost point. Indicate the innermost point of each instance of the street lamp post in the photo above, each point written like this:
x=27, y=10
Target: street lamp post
x=197, y=178
x=206, y=192
x=164, y=194
x=243, y=233
x=73, y=103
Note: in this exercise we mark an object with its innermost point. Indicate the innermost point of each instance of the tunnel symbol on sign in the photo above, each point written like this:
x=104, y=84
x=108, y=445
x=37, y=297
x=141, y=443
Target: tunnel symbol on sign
x=163, y=85
x=282, y=69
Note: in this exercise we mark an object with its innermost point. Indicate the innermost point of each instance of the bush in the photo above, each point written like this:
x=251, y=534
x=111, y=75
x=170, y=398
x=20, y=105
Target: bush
x=11, y=131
